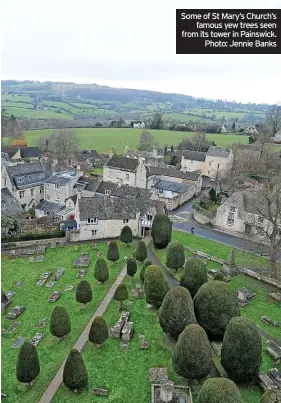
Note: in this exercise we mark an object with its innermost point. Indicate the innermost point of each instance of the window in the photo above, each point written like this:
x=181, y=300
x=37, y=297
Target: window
x=260, y=219
x=208, y=172
x=149, y=217
x=230, y=221
x=41, y=189
x=106, y=192
x=69, y=203
x=110, y=174
x=32, y=192
x=127, y=176
x=57, y=200
x=94, y=232
x=21, y=194
x=92, y=220
x=218, y=166
x=232, y=209
x=56, y=186
x=19, y=179
x=125, y=221
x=160, y=190
x=48, y=197
x=5, y=182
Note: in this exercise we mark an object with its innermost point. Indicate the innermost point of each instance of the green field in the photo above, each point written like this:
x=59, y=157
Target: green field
x=36, y=113
x=185, y=117
x=103, y=139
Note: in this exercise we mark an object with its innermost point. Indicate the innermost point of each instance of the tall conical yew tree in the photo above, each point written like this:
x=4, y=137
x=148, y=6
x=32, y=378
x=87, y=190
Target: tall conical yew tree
x=161, y=230
x=99, y=331
x=219, y=390
x=145, y=264
x=75, y=374
x=84, y=292
x=175, y=255
x=101, y=272
x=194, y=275
x=28, y=366
x=113, y=252
x=121, y=294
x=141, y=251
x=132, y=267
x=155, y=286
x=60, y=324
x=126, y=235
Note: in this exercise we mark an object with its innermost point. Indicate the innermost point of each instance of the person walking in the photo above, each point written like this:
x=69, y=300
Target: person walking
x=192, y=230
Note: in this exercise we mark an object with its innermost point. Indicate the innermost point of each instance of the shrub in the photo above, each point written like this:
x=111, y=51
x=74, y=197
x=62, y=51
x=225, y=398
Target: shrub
x=31, y=237
x=176, y=311
x=155, y=286
x=161, y=230
x=241, y=354
x=75, y=374
x=99, y=332
x=126, y=235
x=271, y=396
x=84, y=292
x=194, y=275
x=145, y=264
x=101, y=273
x=121, y=294
x=28, y=366
x=132, y=267
x=60, y=324
x=218, y=390
x=175, y=255
x=141, y=251
x=215, y=304
x=192, y=357
x=113, y=252
x=219, y=276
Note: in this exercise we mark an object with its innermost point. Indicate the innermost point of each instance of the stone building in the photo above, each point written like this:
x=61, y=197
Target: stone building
x=124, y=170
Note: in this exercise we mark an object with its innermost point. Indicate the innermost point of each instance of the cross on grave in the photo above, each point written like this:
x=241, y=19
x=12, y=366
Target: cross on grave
x=19, y=342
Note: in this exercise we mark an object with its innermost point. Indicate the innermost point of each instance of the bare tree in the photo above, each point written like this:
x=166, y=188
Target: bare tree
x=60, y=144
x=147, y=141
x=274, y=118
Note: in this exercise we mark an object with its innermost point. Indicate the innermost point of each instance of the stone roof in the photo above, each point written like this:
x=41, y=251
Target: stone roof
x=22, y=169
x=218, y=152
x=49, y=207
x=106, y=185
x=27, y=174
x=250, y=147
x=83, y=155
x=88, y=183
x=62, y=178
x=172, y=186
x=9, y=205
x=194, y=176
x=111, y=208
x=125, y=163
x=194, y=155
x=10, y=150
x=30, y=152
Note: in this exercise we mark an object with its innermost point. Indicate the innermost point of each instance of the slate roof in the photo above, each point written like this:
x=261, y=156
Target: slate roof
x=23, y=169
x=194, y=155
x=90, y=184
x=172, y=186
x=114, y=208
x=10, y=150
x=9, y=205
x=62, y=178
x=105, y=185
x=218, y=152
x=49, y=207
x=125, y=163
x=131, y=192
x=250, y=147
x=68, y=223
x=27, y=174
x=194, y=176
x=83, y=155
x=30, y=152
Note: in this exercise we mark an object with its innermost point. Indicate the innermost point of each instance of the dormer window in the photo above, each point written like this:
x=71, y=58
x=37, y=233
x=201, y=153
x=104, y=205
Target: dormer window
x=92, y=220
x=125, y=221
x=106, y=192
x=57, y=186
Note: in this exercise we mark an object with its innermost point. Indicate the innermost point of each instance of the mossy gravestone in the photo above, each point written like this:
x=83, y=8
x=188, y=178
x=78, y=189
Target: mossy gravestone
x=229, y=266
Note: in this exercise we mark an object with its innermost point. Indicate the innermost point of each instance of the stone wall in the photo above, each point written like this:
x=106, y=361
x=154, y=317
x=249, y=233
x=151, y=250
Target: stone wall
x=35, y=242
x=204, y=216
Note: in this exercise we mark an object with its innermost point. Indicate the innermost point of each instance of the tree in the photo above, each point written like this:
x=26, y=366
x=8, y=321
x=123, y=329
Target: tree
x=101, y=272
x=175, y=255
x=121, y=294
x=10, y=223
x=192, y=357
x=157, y=121
x=60, y=144
x=126, y=235
x=60, y=325
x=4, y=122
x=271, y=396
x=274, y=118
x=75, y=374
x=147, y=141
x=113, y=252
x=161, y=230
x=194, y=275
x=84, y=292
x=252, y=140
x=176, y=311
x=99, y=331
x=155, y=286
x=219, y=276
x=145, y=264
x=215, y=304
x=141, y=251
x=28, y=366
x=241, y=354
x=213, y=195
x=218, y=390
x=175, y=160
x=132, y=267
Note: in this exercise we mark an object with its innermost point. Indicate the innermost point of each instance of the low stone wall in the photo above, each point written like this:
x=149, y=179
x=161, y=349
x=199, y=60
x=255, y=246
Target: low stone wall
x=34, y=242
x=204, y=217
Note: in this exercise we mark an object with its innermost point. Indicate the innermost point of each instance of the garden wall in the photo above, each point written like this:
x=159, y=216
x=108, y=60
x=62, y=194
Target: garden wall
x=204, y=216
x=35, y=242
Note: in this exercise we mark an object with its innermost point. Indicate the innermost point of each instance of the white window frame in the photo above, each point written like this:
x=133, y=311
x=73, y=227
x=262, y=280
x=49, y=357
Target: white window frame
x=92, y=221
x=94, y=232
x=57, y=186
x=32, y=191
x=232, y=209
x=21, y=194
x=127, y=177
x=230, y=223
x=106, y=192
x=5, y=182
x=125, y=220
x=41, y=189
x=48, y=197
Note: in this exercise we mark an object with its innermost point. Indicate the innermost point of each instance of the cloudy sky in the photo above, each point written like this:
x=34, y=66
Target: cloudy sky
x=128, y=44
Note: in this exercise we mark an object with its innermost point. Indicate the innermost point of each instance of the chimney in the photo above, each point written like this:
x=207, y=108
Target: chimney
x=155, y=152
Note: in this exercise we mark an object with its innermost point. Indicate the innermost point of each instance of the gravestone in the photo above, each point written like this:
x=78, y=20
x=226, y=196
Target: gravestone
x=36, y=339
x=100, y=392
x=50, y=284
x=94, y=246
x=31, y=259
x=81, y=274
x=13, y=327
x=167, y=391
x=276, y=296
x=10, y=294
x=158, y=374
x=217, y=346
x=53, y=245
x=14, y=313
x=229, y=266
x=244, y=296
x=269, y=321
x=115, y=331
x=124, y=346
x=5, y=301
x=138, y=292
x=41, y=249
x=59, y=273
x=39, y=259
x=54, y=296
x=69, y=287
x=275, y=376
x=40, y=282
x=12, y=252
x=127, y=331
x=19, y=342
x=41, y=323
x=18, y=284
x=212, y=272
x=75, y=248
x=43, y=278
x=144, y=344
x=273, y=349
x=4, y=395
x=82, y=261
x=266, y=383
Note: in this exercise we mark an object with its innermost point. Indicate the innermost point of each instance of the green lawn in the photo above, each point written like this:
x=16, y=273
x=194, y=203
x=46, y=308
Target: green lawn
x=36, y=113
x=185, y=117
x=16, y=97
x=34, y=299
x=103, y=139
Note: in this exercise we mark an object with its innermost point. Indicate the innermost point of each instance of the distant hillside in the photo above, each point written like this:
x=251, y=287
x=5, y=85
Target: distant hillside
x=70, y=101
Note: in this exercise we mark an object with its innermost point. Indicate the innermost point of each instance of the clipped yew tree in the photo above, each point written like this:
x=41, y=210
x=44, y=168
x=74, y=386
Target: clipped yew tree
x=99, y=331
x=161, y=231
x=60, y=325
x=141, y=251
x=192, y=357
x=241, y=353
x=28, y=366
x=126, y=235
x=101, y=272
x=219, y=390
x=194, y=275
x=113, y=252
x=176, y=311
x=155, y=286
x=175, y=255
x=121, y=294
x=215, y=304
x=271, y=396
x=75, y=374
x=84, y=292
x=219, y=276
x=145, y=264
x=132, y=267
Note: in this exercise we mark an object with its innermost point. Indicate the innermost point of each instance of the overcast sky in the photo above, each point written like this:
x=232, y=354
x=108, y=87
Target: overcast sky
x=128, y=44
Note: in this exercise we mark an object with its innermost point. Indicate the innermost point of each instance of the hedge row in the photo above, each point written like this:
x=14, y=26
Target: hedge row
x=31, y=237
